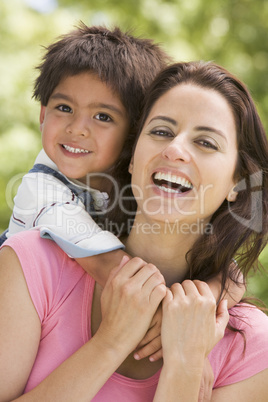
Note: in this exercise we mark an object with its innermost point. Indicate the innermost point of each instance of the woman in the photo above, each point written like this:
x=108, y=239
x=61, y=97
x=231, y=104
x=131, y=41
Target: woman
x=62, y=338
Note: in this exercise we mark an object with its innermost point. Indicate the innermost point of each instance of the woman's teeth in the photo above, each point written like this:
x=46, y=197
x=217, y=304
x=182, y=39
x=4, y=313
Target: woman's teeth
x=171, y=183
x=75, y=150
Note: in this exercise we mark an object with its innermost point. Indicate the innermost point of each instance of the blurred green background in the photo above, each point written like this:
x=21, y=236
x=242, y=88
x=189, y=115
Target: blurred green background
x=233, y=33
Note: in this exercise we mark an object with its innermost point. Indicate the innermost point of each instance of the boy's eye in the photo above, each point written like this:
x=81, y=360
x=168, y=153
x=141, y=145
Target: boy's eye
x=208, y=144
x=64, y=108
x=103, y=117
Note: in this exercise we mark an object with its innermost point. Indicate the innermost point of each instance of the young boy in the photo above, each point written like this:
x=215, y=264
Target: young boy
x=91, y=85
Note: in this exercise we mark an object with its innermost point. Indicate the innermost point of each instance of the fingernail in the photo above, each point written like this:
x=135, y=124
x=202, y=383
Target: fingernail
x=151, y=359
x=136, y=356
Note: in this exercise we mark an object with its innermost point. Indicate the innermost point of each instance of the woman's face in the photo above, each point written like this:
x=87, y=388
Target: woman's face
x=185, y=158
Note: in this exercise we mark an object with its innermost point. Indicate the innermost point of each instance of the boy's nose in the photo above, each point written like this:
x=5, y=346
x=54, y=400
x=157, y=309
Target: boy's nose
x=79, y=126
x=177, y=150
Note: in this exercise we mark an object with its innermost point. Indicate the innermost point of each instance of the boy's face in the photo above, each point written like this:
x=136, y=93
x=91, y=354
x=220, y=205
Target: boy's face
x=84, y=126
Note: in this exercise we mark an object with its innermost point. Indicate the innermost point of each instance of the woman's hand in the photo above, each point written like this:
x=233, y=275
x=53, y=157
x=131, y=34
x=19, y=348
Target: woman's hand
x=191, y=327
x=191, y=323
x=129, y=300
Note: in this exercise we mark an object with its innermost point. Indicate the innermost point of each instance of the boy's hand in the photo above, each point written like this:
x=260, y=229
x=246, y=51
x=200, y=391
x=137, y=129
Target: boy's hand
x=151, y=343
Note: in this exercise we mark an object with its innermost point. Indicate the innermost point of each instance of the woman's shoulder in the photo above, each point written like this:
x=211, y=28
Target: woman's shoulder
x=49, y=273
x=243, y=353
x=248, y=318
x=28, y=245
x=43, y=255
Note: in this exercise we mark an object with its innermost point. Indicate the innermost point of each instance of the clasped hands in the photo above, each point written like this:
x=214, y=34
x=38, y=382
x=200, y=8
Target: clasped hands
x=142, y=315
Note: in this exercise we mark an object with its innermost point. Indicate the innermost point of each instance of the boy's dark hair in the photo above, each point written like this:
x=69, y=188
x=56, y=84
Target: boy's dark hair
x=126, y=63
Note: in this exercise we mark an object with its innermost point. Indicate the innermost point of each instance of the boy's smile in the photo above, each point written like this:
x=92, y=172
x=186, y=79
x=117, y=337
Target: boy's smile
x=84, y=126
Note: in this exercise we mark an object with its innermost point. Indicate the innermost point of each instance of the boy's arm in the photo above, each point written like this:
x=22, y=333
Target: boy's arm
x=99, y=266
x=46, y=203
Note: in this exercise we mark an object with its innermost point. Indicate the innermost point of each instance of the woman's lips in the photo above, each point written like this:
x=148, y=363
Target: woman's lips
x=171, y=183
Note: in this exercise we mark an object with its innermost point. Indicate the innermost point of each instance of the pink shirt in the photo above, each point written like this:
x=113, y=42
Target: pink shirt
x=62, y=295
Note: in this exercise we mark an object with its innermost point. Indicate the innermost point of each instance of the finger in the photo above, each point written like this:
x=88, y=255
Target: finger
x=117, y=269
x=150, y=349
x=150, y=277
x=131, y=267
x=176, y=292
x=124, y=260
x=222, y=317
x=149, y=336
x=190, y=288
x=177, y=289
x=145, y=272
x=156, y=356
x=157, y=295
x=203, y=288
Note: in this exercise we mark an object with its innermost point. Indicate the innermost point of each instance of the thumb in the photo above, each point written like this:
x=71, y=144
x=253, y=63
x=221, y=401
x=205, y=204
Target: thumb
x=123, y=262
x=222, y=316
x=168, y=297
x=114, y=271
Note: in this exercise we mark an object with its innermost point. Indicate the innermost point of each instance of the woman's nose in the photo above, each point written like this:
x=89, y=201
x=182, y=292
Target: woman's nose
x=177, y=150
x=79, y=125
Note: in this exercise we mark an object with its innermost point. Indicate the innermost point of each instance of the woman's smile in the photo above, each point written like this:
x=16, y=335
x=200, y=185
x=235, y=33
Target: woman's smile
x=188, y=141
x=171, y=183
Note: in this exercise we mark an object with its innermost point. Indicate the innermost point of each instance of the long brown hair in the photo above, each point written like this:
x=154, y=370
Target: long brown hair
x=239, y=228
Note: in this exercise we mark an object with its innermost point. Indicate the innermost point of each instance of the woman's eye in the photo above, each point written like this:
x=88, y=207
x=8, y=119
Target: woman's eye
x=208, y=144
x=161, y=133
x=103, y=117
x=64, y=108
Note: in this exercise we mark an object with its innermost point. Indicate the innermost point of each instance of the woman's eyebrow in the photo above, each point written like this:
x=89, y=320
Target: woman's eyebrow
x=211, y=130
x=165, y=118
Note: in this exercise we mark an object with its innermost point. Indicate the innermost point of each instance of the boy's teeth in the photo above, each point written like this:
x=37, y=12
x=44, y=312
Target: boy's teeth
x=172, y=178
x=75, y=150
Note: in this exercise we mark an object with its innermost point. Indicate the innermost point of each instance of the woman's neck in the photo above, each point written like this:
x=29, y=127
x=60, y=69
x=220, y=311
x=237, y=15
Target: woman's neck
x=162, y=245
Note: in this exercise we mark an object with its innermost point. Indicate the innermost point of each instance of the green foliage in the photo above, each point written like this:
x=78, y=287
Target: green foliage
x=233, y=33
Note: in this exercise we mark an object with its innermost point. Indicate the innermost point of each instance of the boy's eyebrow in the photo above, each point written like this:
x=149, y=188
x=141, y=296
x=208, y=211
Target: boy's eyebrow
x=59, y=95
x=108, y=106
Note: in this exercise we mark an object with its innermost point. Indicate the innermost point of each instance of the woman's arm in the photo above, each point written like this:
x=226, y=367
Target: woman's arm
x=130, y=294
x=20, y=327
x=191, y=326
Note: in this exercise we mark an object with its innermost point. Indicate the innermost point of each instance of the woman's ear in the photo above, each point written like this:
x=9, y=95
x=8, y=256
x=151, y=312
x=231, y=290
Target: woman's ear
x=130, y=166
x=231, y=197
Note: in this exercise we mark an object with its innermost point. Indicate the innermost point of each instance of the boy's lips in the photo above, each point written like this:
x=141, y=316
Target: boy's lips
x=171, y=183
x=75, y=150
